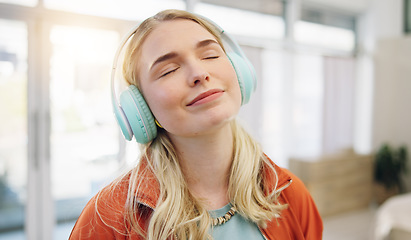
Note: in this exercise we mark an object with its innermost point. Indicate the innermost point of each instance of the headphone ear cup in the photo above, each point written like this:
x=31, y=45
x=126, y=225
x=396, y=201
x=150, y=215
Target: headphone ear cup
x=245, y=74
x=123, y=123
x=138, y=115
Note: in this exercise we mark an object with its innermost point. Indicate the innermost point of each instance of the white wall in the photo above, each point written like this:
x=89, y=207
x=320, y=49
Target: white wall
x=382, y=20
x=392, y=98
x=384, y=80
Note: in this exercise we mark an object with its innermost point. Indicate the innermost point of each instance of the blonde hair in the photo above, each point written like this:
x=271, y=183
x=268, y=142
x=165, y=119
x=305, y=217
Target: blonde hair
x=178, y=214
x=130, y=66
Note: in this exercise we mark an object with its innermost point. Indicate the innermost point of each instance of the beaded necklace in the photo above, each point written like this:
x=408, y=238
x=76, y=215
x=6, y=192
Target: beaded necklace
x=223, y=219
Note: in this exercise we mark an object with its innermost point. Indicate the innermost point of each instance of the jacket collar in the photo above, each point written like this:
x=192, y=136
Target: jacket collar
x=284, y=179
x=149, y=188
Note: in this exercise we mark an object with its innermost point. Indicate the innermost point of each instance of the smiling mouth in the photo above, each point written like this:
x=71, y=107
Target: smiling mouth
x=206, y=97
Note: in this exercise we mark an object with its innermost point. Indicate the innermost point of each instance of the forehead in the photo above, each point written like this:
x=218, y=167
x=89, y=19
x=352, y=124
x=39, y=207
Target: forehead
x=173, y=35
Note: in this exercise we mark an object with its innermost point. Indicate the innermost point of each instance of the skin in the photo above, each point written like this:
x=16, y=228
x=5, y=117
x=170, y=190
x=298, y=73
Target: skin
x=192, y=90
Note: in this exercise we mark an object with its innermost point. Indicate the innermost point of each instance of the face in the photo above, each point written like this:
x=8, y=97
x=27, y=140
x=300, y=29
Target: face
x=187, y=80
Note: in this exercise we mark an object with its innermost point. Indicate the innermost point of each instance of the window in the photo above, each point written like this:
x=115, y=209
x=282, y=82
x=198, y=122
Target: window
x=29, y=3
x=81, y=143
x=307, y=106
x=407, y=16
x=84, y=137
x=123, y=9
x=326, y=29
x=242, y=22
x=323, y=36
x=13, y=127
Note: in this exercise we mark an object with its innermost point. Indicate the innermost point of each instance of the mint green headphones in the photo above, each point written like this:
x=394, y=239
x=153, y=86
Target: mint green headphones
x=132, y=112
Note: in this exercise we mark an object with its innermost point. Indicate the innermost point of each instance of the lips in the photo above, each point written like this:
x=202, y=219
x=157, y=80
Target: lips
x=205, y=95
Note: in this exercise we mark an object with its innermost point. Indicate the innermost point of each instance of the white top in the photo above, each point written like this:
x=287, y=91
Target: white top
x=237, y=227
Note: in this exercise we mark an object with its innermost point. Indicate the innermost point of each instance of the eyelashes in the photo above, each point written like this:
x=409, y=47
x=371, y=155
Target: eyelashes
x=168, y=72
x=212, y=57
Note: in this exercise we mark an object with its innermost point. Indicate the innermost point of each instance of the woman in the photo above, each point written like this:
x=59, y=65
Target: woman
x=202, y=176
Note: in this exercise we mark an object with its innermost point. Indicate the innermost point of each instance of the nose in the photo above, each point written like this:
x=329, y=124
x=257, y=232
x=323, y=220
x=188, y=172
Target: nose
x=197, y=73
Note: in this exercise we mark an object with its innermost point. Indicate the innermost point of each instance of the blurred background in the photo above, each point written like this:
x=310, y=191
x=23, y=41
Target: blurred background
x=333, y=101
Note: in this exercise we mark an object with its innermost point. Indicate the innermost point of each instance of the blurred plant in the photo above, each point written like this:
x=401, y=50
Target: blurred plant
x=390, y=164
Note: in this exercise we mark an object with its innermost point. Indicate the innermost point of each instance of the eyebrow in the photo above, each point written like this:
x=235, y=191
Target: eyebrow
x=206, y=42
x=163, y=58
x=171, y=55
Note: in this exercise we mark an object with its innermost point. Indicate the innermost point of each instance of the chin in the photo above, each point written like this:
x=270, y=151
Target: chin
x=223, y=119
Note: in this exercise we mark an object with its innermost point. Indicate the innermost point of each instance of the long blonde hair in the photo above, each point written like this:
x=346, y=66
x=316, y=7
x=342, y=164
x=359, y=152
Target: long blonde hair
x=177, y=213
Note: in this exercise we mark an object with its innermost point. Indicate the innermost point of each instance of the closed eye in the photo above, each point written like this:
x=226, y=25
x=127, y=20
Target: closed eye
x=210, y=52
x=212, y=57
x=168, y=72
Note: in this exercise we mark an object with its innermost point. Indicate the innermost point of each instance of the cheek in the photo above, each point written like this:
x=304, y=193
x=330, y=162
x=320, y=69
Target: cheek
x=160, y=101
x=228, y=70
x=234, y=85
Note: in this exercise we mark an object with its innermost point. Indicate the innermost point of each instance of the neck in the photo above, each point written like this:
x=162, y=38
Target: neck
x=206, y=162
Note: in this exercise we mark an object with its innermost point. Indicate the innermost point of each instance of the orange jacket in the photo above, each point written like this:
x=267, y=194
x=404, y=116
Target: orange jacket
x=299, y=221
